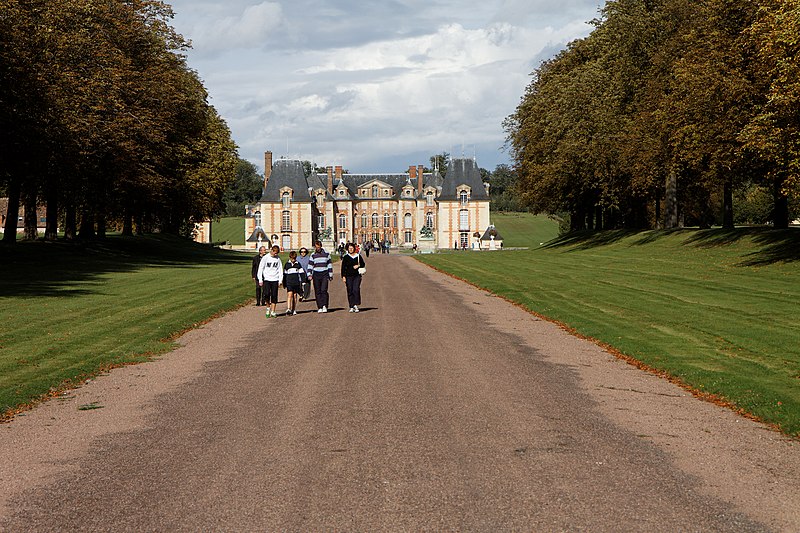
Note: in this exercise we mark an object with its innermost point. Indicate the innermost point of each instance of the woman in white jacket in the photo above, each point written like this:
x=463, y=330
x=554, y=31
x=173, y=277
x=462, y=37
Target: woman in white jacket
x=270, y=276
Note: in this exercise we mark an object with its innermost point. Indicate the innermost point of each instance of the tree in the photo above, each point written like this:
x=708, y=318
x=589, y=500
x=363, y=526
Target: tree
x=246, y=188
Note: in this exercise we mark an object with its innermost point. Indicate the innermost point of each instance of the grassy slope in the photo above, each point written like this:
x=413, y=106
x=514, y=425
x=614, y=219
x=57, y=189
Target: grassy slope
x=228, y=229
x=68, y=310
x=525, y=230
x=716, y=309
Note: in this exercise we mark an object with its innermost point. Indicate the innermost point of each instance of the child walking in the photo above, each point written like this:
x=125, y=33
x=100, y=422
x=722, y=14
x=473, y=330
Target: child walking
x=293, y=276
x=270, y=276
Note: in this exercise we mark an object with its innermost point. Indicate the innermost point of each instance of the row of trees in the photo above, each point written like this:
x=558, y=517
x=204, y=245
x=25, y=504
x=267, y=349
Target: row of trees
x=667, y=111
x=102, y=120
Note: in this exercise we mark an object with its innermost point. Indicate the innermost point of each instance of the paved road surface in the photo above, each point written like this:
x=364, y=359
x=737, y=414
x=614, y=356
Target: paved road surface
x=438, y=407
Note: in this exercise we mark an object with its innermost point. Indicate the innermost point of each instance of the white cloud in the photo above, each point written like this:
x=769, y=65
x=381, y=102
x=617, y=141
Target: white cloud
x=373, y=103
x=214, y=31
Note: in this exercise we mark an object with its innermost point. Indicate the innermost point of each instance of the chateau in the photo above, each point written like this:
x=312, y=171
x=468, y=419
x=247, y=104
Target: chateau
x=418, y=208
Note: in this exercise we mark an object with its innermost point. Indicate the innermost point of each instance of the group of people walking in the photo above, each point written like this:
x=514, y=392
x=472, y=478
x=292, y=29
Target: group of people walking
x=302, y=271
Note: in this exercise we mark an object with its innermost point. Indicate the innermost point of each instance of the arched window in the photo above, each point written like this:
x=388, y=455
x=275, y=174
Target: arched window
x=257, y=216
x=374, y=191
x=320, y=199
x=364, y=220
x=429, y=198
x=407, y=220
x=464, y=197
x=429, y=219
x=286, y=198
x=343, y=221
x=286, y=221
x=386, y=220
x=463, y=220
x=374, y=220
x=394, y=220
x=321, y=221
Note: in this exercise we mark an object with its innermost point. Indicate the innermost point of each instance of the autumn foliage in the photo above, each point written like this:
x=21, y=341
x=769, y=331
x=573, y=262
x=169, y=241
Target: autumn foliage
x=102, y=120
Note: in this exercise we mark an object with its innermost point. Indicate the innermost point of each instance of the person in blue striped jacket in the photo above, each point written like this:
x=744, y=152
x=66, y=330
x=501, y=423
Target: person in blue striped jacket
x=320, y=272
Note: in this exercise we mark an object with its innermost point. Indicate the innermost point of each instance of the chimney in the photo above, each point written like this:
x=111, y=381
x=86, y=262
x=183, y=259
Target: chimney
x=338, y=172
x=267, y=167
x=412, y=172
x=330, y=180
x=420, y=172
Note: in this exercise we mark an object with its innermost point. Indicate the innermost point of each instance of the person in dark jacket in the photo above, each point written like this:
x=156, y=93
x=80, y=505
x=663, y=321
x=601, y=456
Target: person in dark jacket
x=352, y=263
x=260, y=296
x=304, y=261
x=293, y=276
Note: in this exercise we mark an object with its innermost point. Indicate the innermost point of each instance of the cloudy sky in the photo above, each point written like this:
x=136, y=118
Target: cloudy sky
x=373, y=86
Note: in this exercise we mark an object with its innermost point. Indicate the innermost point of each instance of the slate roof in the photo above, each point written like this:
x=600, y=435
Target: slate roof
x=463, y=172
x=287, y=173
x=258, y=232
x=487, y=236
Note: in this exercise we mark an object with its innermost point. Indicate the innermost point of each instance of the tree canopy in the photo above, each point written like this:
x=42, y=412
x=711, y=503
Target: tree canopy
x=663, y=113
x=102, y=120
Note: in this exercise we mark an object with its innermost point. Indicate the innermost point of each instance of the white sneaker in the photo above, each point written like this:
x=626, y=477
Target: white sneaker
x=324, y=308
x=321, y=310
x=355, y=309
x=352, y=309
x=294, y=313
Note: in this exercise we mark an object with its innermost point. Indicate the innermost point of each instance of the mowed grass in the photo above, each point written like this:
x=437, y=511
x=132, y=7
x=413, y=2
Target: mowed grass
x=525, y=230
x=228, y=229
x=719, y=310
x=69, y=311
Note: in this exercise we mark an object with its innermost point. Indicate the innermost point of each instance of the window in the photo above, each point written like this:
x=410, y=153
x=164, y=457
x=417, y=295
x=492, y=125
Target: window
x=464, y=197
x=320, y=200
x=321, y=221
x=394, y=220
x=364, y=220
x=286, y=198
x=463, y=240
x=342, y=236
x=257, y=216
x=374, y=220
x=386, y=220
x=343, y=221
x=429, y=219
x=286, y=242
x=286, y=221
x=407, y=220
x=341, y=192
x=374, y=191
x=463, y=220
x=429, y=198
x=409, y=235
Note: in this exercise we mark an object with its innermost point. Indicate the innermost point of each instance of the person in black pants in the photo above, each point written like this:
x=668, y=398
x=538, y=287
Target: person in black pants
x=320, y=271
x=260, y=295
x=352, y=263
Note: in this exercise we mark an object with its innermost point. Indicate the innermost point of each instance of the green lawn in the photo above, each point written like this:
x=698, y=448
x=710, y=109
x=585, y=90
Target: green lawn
x=228, y=229
x=716, y=309
x=524, y=230
x=70, y=310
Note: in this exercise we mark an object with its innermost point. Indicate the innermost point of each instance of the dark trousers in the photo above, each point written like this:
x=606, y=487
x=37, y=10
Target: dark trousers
x=353, y=290
x=260, y=295
x=307, y=290
x=321, y=290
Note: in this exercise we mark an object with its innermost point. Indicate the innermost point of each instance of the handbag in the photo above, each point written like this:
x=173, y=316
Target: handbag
x=362, y=270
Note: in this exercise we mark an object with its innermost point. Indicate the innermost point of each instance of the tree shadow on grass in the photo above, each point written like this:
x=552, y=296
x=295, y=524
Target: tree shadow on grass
x=61, y=269
x=586, y=240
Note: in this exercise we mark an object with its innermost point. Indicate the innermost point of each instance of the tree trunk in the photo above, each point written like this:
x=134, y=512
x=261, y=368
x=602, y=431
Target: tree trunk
x=727, y=204
x=671, y=201
x=101, y=226
x=51, y=227
x=780, y=210
x=12, y=214
x=30, y=217
x=658, y=208
x=70, y=221
x=127, y=223
x=86, y=230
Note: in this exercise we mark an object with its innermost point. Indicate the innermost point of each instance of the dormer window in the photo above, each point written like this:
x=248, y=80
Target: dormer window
x=286, y=199
x=429, y=198
x=341, y=192
x=463, y=196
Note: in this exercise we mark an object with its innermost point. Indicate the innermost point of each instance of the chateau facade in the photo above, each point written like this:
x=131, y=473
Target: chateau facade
x=412, y=208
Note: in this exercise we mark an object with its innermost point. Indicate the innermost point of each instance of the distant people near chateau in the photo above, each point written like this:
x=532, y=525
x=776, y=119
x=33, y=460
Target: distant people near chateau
x=387, y=245
x=321, y=273
x=455, y=245
x=304, y=261
x=270, y=276
x=293, y=276
x=352, y=265
x=254, y=270
x=367, y=246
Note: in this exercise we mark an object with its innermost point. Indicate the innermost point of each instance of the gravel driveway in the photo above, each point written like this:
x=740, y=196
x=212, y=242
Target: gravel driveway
x=438, y=407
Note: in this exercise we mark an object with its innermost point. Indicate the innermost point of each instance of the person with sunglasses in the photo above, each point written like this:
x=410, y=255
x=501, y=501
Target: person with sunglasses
x=304, y=261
